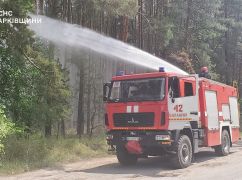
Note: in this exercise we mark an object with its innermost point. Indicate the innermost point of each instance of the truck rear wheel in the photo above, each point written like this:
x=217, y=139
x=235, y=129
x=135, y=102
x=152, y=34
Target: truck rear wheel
x=124, y=157
x=183, y=157
x=224, y=148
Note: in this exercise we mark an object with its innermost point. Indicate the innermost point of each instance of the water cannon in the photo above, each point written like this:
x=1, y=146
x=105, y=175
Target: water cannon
x=161, y=69
x=120, y=73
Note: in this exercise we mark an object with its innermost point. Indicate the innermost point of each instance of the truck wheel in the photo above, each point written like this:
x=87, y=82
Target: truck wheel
x=124, y=157
x=224, y=148
x=183, y=157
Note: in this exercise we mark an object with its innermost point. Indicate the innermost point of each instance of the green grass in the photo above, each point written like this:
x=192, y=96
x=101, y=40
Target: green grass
x=23, y=155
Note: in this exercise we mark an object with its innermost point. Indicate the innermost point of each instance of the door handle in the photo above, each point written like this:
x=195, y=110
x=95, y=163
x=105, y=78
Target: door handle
x=194, y=113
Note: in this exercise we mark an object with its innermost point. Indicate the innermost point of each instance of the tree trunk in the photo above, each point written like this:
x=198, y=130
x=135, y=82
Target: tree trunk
x=48, y=129
x=187, y=31
x=89, y=98
x=69, y=11
x=62, y=128
x=95, y=106
x=39, y=7
x=80, y=118
x=226, y=54
x=140, y=27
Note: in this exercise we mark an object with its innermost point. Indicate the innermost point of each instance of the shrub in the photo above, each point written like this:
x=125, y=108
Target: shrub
x=6, y=128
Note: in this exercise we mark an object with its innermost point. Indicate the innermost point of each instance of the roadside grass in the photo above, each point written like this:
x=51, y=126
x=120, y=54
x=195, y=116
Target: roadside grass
x=23, y=155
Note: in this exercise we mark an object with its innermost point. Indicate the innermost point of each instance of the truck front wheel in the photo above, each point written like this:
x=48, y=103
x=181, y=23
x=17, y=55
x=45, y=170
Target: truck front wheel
x=224, y=148
x=183, y=157
x=124, y=157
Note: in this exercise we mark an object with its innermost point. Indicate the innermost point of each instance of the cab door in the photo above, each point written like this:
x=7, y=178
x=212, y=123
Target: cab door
x=183, y=102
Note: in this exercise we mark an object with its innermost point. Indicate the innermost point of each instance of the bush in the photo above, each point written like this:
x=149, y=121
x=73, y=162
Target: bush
x=24, y=154
x=6, y=128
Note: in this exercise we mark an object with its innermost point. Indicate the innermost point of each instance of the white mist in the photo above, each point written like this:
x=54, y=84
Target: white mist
x=76, y=36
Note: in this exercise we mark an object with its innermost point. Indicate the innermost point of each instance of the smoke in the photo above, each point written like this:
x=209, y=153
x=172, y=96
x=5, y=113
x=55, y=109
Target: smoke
x=79, y=37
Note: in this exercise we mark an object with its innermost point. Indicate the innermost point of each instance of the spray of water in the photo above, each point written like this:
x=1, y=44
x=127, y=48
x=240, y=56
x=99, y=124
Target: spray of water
x=76, y=36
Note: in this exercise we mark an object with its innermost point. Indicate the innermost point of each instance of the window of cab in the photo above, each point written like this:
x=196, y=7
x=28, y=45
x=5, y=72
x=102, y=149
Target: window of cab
x=182, y=87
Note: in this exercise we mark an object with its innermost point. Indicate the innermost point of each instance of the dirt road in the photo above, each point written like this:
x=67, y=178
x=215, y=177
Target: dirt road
x=206, y=166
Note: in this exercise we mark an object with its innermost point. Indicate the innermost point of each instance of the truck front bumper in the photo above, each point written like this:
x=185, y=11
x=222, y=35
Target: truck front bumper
x=151, y=142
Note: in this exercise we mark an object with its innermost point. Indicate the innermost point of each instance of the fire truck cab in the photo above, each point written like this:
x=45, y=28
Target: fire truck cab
x=159, y=113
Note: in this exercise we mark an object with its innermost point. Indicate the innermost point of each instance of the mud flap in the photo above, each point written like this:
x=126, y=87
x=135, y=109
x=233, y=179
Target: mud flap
x=195, y=141
x=133, y=147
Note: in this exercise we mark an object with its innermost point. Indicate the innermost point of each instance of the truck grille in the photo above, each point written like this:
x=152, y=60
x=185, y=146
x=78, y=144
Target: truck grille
x=133, y=119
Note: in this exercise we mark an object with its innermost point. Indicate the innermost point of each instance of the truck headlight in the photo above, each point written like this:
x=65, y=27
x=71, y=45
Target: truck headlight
x=109, y=137
x=162, y=138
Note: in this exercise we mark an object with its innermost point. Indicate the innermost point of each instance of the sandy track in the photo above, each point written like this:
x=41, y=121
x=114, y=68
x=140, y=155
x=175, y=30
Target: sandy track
x=206, y=166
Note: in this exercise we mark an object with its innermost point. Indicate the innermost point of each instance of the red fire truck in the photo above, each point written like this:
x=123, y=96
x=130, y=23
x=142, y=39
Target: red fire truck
x=159, y=113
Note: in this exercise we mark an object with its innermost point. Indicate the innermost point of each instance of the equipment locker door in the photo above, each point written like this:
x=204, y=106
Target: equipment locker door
x=234, y=111
x=212, y=110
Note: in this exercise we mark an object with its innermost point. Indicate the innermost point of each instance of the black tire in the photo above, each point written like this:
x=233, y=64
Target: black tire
x=224, y=148
x=184, y=154
x=125, y=158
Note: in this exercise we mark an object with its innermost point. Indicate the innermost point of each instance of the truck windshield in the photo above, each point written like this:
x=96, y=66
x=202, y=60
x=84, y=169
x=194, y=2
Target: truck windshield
x=152, y=89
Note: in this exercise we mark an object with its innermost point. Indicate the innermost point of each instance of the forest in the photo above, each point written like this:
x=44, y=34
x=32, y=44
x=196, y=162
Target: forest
x=49, y=89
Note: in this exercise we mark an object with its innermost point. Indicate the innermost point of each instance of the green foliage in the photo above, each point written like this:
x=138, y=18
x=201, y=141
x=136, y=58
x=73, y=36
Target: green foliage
x=200, y=29
x=35, y=152
x=163, y=30
x=117, y=7
x=33, y=85
x=6, y=128
x=50, y=98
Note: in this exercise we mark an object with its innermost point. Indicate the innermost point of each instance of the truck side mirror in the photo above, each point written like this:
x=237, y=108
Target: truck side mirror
x=106, y=90
x=173, y=100
x=172, y=96
x=172, y=87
